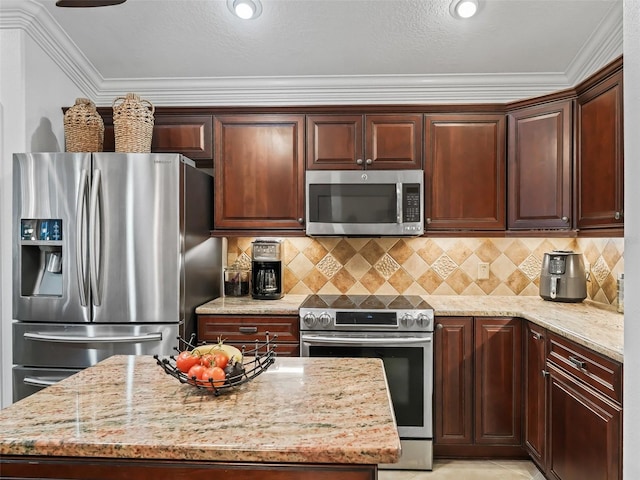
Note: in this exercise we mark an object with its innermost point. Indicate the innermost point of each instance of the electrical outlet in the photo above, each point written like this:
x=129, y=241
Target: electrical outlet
x=483, y=271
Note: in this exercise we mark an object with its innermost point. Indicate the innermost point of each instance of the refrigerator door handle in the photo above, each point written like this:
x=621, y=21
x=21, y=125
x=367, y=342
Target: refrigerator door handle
x=81, y=244
x=94, y=248
x=45, y=337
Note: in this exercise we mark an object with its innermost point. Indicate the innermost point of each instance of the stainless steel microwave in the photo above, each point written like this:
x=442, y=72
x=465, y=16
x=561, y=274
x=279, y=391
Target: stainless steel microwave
x=365, y=202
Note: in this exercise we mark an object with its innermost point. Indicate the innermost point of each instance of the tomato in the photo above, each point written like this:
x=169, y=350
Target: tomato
x=196, y=371
x=186, y=360
x=221, y=359
x=207, y=360
x=216, y=374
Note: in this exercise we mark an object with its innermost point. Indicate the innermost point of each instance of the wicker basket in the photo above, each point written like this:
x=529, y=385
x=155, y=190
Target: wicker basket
x=132, y=124
x=83, y=127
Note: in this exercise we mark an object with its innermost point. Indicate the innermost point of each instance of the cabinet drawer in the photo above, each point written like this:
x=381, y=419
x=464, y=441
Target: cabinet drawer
x=601, y=373
x=243, y=329
x=281, y=349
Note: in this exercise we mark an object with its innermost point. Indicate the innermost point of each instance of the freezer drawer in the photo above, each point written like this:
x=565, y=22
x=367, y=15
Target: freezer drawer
x=79, y=346
x=30, y=380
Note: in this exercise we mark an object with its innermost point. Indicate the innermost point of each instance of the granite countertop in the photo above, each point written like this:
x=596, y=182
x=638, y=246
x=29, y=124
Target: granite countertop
x=595, y=326
x=301, y=410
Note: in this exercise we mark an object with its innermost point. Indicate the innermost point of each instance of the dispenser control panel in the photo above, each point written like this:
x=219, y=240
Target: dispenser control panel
x=42, y=229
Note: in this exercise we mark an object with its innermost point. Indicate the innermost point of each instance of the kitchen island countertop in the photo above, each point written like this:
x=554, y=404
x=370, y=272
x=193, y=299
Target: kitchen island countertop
x=300, y=410
x=595, y=326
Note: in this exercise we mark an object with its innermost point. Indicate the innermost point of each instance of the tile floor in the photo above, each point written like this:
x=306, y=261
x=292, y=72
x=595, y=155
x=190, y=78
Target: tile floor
x=469, y=470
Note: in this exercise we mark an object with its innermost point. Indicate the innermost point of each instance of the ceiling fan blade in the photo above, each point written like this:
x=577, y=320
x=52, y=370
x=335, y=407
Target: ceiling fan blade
x=88, y=3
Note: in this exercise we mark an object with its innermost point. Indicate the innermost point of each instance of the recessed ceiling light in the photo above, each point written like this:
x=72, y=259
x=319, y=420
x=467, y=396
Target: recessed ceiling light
x=245, y=9
x=463, y=8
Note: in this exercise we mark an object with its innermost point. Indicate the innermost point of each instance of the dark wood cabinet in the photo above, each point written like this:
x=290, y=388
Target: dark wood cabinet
x=600, y=160
x=259, y=172
x=188, y=134
x=535, y=393
x=453, y=388
x=478, y=387
x=351, y=142
x=585, y=431
x=465, y=172
x=539, y=167
x=239, y=330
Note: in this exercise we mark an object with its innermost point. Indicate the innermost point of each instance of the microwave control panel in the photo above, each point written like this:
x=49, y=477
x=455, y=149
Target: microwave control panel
x=411, y=203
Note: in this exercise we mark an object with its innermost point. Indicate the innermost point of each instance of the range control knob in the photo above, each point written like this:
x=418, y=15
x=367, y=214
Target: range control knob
x=406, y=320
x=309, y=320
x=325, y=319
x=423, y=320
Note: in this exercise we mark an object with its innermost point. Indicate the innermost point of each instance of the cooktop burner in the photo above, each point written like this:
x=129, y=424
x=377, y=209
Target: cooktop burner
x=366, y=302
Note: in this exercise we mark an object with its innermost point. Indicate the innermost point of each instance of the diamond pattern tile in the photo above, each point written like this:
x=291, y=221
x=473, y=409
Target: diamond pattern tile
x=434, y=266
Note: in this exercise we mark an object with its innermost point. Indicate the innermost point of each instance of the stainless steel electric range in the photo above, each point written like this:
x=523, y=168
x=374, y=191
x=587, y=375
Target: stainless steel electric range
x=399, y=330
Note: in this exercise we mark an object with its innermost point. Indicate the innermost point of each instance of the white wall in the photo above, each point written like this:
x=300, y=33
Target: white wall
x=32, y=91
x=631, y=405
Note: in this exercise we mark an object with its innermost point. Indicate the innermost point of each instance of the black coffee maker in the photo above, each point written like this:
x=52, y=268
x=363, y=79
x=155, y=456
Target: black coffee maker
x=266, y=269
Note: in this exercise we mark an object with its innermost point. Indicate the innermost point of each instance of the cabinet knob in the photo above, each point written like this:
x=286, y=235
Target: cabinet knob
x=439, y=326
x=369, y=161
x=565, y=219
x=617, y=216
x=428, y=220
x=301, y=220
x=359, y=161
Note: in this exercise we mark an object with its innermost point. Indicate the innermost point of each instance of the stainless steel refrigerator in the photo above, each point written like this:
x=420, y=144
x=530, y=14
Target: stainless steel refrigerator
x=112, y=253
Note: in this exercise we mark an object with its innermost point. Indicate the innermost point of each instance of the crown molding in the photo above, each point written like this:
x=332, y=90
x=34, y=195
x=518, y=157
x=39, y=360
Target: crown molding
x=602, y=47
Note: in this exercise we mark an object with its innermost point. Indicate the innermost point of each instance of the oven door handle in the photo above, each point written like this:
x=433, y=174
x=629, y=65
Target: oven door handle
x=390, y=342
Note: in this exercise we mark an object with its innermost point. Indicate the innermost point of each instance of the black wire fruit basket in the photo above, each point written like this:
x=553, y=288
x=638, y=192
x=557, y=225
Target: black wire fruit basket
x=256, y=358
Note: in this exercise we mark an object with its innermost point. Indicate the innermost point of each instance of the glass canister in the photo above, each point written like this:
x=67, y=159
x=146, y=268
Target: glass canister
x=236, y=281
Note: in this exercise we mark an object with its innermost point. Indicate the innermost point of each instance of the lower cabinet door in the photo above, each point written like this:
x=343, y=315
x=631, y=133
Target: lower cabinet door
x=585, y=432
x=535, y=393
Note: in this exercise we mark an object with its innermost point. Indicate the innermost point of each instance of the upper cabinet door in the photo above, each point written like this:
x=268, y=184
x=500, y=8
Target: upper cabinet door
x=600, y=160
x=393, y=142
x=465, y=172
x=334, y=142
x=539, y=166
x=259, y=172
x=354, y=142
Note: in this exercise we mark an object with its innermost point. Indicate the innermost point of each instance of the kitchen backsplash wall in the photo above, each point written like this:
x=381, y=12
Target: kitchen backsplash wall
x=434, y=266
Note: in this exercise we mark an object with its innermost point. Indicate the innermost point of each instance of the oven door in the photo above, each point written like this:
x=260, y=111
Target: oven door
x=408, y=363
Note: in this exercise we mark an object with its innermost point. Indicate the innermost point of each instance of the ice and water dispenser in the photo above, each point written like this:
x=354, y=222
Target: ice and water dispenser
x=41, y=257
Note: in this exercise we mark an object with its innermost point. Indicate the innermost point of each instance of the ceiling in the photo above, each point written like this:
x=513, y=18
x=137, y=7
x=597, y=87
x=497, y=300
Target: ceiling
x=319, y=47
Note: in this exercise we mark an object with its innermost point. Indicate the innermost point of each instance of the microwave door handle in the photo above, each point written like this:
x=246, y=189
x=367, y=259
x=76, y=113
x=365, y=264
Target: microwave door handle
x=399, y=202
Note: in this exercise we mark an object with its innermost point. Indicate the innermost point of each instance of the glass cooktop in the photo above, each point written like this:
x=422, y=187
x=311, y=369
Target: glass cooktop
x=366, y=302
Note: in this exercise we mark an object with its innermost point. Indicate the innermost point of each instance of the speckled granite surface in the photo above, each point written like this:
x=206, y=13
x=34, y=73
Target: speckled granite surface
x=287, y=305
x=589, y=324
x=300, y=410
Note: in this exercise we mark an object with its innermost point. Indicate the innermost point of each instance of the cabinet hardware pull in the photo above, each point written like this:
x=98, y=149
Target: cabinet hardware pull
x=248, y=330
x=565, y=219
x=359, y=161
x=428, y=220
x=300, y=220
x=536, y=335
x=617, y=216
x=369, y=161
x=439, y=326
x=545, y=373
x=578, y=363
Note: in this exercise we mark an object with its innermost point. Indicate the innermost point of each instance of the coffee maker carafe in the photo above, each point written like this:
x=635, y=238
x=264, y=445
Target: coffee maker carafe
x=266, y=269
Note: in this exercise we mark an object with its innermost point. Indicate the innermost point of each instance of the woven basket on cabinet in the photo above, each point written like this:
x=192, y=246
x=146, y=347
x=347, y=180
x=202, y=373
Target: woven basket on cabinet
x=83, y=127
x=132, y=124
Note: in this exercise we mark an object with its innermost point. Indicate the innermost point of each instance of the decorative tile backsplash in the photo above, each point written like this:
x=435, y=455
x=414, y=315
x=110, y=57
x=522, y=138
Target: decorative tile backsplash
x=434, y=266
